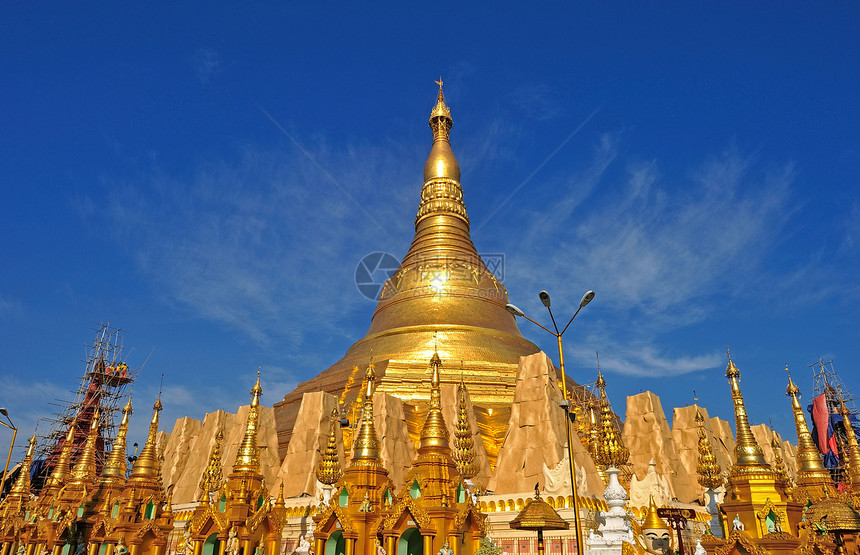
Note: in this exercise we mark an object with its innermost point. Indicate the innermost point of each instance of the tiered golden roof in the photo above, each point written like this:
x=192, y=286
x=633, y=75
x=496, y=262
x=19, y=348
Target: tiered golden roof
x=709, y=472
x=63, y=468
x=538, y=515
x=464, y=443
x=329, y=471
x=434, y=433
x=610, y=449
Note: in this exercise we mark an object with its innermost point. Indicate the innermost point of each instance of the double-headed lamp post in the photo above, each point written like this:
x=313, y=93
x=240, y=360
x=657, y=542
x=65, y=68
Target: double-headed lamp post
x=565, y=404
x=12, y=427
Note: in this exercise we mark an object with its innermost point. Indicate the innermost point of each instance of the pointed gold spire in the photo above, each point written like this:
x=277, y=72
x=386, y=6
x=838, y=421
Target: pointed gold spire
x=464, y=443
x=610, y=448
x=748, y=453
x=116, y=466
x=853, y=448
x=434, y=433
x=810, y=467
x=366, y=445
x=248, y=456
x=441, y=164
x=84, y=471
x=21, y=487
x=63, y=468
x=709, y=472
x=328, y=471
x=146, y=468
x=652, y=519
x=212, y=478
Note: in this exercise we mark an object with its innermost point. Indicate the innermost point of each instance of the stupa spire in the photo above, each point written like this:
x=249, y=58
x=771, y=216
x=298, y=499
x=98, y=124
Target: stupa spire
x=810, y=467
x=853, y=448
x=366, y=447
x=21, y=487
x=748, y=453
x=652, y=519
x=328, y=471
x=146, y=467
x=212, y=478
x=778, y=464
x=248, y=455
x=63, y=468
x=84, y=471
x=441, y=165
x=709, y=472
x=464, y=443
x=115, y=467
x=434, y=433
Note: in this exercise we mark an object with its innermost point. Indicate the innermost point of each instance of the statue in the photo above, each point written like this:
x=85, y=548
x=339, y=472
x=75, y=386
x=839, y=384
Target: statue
x=700, y=550
x=655, y=537
x=304, y=545
x=366, y=506
x=379, y=549
x=446, y=549
x=260, y=550
x=737, y=524
x=121, y=549
x=21, y=550
x=232, y=546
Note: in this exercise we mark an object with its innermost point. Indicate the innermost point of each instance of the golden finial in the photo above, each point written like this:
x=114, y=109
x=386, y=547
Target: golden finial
x=279, y=502
x=146, y=469
x=464, y=443
x=328, y=471
x=366, y=452
x=652, y=520
x=116, y=466
x=748, y=452
x=63, y=468
x=248, y=455
x=709, y=472
x=441, y=164
x=212, y=478
x=84, y=471
x=811, y=473
x=434, y=433
x=610, y=450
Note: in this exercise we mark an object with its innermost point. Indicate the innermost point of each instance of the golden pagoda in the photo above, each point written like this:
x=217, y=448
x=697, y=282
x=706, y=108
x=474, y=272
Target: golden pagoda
x=442, y=289
x=242, y=517
x=812, y=478
x=853, y=454
x=709, y=473
x=432, y=510
x=756, y=496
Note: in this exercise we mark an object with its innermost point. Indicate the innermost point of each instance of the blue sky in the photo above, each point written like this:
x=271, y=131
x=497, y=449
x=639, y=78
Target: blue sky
x=207, y=177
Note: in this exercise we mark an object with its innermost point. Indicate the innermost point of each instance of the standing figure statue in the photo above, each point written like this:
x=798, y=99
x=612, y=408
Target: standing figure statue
x=121, y=549
x=379, y=549
x=260, y=550
x=446, y=549
x=232, y=546
x=21, y=549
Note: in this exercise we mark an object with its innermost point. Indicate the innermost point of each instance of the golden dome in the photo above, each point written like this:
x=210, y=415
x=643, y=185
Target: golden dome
x=538, y=515
x=442, y=291
x=652, y=520
x=835, y=515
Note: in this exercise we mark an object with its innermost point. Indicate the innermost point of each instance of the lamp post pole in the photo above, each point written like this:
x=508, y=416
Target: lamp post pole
x=12, y=427
x=565, y=404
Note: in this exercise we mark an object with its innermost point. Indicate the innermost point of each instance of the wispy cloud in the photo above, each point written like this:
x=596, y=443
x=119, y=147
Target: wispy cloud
x=661, y=255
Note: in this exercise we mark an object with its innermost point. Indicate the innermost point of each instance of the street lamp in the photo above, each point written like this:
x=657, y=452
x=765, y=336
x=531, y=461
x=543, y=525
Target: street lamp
x=12, y=427
x=565, y=404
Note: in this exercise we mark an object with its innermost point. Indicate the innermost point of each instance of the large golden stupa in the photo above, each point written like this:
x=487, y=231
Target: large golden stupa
x=442, y=297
